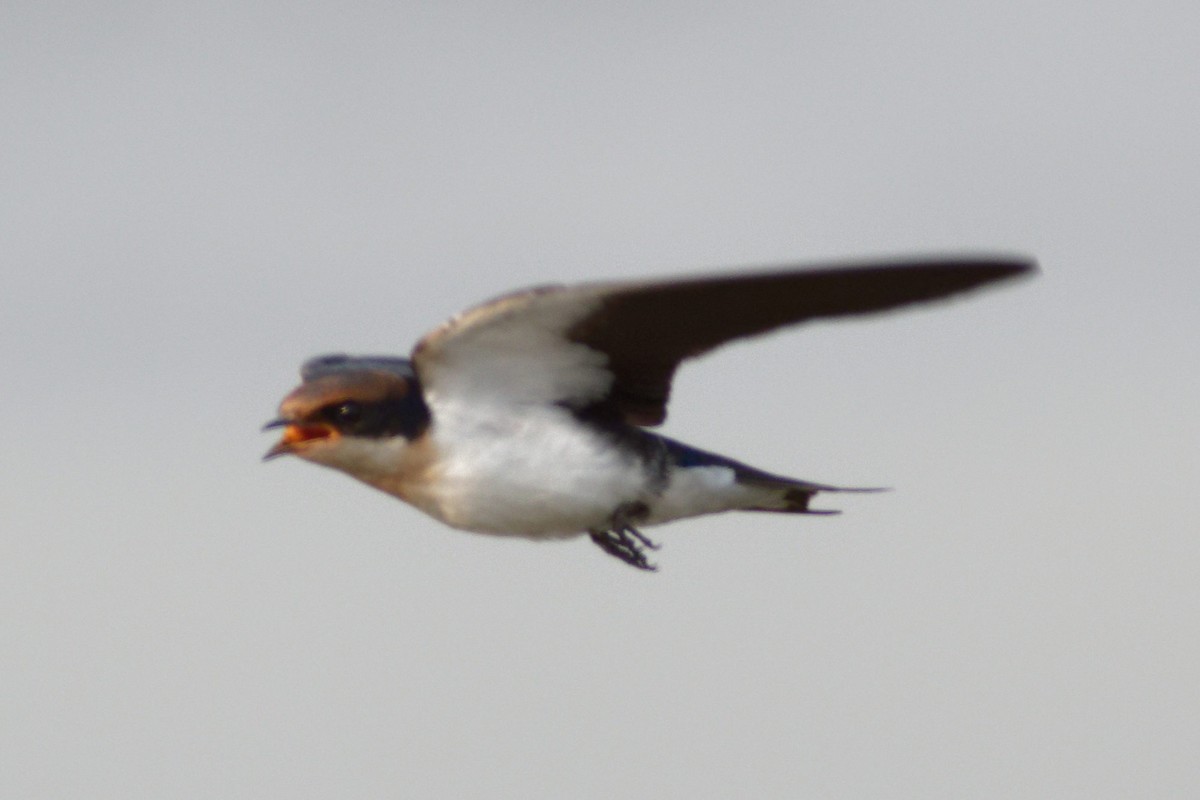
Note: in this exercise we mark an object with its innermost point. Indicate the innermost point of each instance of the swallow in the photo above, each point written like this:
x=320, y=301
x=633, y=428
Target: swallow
x=528, y=415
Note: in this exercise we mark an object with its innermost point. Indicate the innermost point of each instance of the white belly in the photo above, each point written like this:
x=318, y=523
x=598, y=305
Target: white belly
x=538, y=474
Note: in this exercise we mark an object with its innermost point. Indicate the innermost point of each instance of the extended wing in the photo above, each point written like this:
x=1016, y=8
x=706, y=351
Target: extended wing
x=613, y=348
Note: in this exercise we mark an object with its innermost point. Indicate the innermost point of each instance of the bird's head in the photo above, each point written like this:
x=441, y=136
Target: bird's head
x=354, y=414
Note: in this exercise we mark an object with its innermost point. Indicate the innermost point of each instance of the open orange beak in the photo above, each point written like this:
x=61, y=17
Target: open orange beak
x=295, y=434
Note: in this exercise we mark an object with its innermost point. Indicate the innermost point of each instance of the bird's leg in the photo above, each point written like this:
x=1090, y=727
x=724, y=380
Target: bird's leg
x=624, y=541
x=621, y=544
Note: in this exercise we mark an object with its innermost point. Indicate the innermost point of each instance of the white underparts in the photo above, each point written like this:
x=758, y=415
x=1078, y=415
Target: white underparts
x=533, y=471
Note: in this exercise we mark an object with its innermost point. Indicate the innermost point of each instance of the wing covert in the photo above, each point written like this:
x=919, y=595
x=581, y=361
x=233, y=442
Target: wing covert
x=516, y=350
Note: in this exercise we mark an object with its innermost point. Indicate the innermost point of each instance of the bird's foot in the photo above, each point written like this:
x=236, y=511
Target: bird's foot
x=624, y=541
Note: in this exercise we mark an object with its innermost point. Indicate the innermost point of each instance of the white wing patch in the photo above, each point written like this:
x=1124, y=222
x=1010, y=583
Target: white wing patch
x=514, y=351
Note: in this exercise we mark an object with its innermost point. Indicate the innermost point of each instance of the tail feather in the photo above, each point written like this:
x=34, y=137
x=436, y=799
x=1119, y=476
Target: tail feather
x=789, y=496
x=778, y=493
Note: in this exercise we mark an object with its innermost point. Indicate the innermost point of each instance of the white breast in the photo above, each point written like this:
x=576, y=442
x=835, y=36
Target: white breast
x=524, y=471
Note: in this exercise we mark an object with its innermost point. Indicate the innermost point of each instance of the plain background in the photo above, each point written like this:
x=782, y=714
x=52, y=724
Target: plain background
x=195, y=198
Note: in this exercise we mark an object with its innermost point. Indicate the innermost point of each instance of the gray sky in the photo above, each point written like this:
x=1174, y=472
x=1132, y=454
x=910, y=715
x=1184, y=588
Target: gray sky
x=197, y=198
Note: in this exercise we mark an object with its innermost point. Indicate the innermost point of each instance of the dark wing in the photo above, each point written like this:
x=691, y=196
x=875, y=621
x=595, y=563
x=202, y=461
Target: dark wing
x=613, y=348
x=647, y=330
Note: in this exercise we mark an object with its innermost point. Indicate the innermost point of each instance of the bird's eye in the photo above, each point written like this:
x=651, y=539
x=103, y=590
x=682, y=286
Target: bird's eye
x=347, y=413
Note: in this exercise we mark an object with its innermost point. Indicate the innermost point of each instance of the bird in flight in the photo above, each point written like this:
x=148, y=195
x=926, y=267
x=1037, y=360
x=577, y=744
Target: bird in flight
x=528, y=415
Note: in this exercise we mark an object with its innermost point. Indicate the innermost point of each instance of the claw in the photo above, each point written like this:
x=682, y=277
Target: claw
x=624, y=541
x=626, y=544
x=641, y=537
